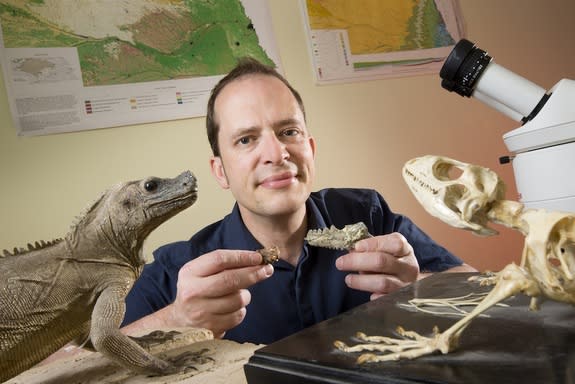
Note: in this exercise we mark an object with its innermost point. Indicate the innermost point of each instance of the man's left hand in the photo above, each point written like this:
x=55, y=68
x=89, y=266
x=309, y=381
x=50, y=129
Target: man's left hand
x=384, y=264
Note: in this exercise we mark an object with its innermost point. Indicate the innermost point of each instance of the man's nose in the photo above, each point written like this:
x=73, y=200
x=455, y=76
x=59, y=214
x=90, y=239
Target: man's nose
x=274, y=151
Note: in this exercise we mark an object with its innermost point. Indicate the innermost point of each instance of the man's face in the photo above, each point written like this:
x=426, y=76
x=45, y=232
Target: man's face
x=266, y=153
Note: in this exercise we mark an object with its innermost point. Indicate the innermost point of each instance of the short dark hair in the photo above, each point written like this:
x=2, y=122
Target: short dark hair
x=246, y=66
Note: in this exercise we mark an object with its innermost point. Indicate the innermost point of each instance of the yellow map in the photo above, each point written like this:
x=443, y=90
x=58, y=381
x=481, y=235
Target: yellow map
x=372, y=25
x=363, y=34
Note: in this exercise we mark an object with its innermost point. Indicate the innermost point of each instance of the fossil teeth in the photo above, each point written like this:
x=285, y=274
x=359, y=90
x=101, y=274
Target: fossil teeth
x=335, y=238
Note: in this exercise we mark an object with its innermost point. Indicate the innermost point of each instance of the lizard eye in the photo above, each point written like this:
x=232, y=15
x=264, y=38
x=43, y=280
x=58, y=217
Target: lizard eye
x=151, y=186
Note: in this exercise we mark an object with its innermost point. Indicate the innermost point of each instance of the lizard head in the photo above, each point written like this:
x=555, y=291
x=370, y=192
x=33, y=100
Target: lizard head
x=150, y=202
x=128, y=212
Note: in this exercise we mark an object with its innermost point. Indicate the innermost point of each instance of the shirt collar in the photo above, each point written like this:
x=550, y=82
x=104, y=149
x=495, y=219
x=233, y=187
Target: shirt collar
x=315, y=219
x=235, y=234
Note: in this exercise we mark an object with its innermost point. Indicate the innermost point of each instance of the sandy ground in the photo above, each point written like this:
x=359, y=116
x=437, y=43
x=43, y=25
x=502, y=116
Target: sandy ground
x=224, y=364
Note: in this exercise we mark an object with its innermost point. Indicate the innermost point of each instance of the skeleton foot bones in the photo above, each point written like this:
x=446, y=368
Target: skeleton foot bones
x=470, y=201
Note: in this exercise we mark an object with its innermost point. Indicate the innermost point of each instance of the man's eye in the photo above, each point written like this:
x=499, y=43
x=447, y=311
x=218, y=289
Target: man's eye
x=290, y=132
x=244, y=140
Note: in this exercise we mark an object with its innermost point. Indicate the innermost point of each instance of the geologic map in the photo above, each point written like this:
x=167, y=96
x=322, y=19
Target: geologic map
x=366, y=39
x=122, y=61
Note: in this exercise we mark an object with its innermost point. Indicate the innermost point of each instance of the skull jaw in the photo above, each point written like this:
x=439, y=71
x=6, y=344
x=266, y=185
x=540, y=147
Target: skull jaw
x=476, y=223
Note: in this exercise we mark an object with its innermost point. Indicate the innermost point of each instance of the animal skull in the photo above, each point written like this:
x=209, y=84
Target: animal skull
x=460, y=201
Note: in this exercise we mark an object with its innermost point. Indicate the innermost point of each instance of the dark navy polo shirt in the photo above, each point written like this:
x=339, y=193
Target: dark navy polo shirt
x=293, y=298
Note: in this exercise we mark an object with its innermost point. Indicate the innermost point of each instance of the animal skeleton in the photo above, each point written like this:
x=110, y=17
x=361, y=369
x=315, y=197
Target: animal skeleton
x=469, y=201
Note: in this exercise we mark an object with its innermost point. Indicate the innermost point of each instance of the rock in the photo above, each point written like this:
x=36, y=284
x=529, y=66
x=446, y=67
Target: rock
x=222, y=362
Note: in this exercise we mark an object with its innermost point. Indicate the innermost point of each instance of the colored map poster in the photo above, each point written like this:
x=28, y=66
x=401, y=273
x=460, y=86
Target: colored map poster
x=371, y=39
x=73, y=65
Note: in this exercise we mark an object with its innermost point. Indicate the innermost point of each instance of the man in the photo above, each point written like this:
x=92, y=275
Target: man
x=264, y=154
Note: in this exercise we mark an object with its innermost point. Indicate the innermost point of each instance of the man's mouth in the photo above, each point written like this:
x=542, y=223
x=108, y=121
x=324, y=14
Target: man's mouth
x=279, y=180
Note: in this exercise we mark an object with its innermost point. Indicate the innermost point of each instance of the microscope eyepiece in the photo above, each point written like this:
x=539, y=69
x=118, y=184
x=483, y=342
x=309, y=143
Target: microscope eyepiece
x=463, y=67
x=471, y=72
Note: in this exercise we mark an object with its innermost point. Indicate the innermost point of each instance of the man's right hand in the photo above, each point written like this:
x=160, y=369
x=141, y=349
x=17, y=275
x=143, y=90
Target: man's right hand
x=212, y=289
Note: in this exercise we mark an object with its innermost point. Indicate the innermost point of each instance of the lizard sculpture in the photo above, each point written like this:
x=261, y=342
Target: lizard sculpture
x=73, y=289
x=470, y=201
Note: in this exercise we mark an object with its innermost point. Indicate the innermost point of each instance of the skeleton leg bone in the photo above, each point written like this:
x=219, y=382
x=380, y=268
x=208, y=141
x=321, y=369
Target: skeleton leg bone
x=512, y=280
x=448, y=305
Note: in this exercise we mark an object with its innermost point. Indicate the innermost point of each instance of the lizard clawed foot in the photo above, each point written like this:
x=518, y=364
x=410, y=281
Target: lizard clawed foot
x=154, y=338
x=412, y=345
x=182, y=363
x=164, y=352
x=189, y=360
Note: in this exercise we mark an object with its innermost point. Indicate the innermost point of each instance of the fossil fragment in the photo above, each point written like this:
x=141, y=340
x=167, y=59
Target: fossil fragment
x=269, y=255
x=335, y=238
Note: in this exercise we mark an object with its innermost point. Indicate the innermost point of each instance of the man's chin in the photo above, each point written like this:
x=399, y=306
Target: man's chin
x=281, y=202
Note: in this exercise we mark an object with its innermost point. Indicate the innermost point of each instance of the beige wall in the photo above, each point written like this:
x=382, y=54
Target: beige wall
x=365, y=132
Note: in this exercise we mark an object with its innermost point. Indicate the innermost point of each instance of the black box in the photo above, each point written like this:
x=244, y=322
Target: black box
x=510, y=344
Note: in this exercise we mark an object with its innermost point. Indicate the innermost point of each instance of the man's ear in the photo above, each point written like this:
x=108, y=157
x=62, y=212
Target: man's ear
x=312, y=144
x=218, y=171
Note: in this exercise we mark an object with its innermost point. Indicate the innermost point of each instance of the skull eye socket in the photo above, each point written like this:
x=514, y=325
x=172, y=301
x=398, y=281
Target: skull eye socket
x=454, y=173
x=447, y=171
x=450, y=172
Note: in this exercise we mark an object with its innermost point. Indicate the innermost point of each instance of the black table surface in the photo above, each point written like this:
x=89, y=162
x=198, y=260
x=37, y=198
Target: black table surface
x=509, y=345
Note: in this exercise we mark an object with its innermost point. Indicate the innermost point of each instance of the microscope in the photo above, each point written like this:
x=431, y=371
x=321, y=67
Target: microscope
x=543, y=148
